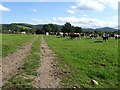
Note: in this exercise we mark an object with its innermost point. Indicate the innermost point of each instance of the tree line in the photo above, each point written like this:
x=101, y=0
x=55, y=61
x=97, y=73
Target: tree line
x=33, y=29
x=66, y=28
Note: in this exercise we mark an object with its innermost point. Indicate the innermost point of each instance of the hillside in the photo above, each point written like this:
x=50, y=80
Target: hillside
x=25, y=26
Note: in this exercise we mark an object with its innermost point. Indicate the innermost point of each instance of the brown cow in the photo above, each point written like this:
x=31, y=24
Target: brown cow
x=74, y=35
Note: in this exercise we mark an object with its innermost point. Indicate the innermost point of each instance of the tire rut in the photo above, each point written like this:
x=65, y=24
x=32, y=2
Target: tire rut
x=46, y=77
x=12, y=63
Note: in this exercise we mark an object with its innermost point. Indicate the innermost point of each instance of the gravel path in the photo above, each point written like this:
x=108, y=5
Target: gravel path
x=46, y=72
x=13, y=62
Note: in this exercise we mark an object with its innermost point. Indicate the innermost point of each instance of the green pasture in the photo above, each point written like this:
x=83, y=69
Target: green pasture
x=23, y=27
x=86, y=60
x=11, y=42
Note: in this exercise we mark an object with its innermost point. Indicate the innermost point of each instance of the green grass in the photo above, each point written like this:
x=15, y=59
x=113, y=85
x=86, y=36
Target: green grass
x=12, y=42
x=29, y=69
x=17, y=82
x=32, y=61
x=23, y=27
x=87, y=60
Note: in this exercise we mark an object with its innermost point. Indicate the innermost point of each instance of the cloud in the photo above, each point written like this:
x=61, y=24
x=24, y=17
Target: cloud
x=110, y=3
x=94, y=5
x=86, y=22
x=3, y=8
x=88, y=5
x=34, y=10
x=71, y=11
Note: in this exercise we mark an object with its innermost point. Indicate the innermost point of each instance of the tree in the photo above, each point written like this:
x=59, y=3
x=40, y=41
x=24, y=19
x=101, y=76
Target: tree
x=46, y=28
x=39, y=31
x=78, y=29
x=33, y=29
x=67, y=28
x=54, y=28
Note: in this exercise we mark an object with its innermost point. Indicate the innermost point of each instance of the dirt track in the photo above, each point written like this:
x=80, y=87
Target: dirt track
x=13, y=62
x=46, y=73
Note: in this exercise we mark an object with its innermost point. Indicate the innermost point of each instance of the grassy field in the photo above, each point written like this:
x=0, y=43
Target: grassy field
x=27, y=72
x=86, y=60
x=11, y=42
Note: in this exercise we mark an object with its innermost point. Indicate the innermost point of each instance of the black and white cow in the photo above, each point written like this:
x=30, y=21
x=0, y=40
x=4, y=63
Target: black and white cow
x=117, y=36
x=105, y=37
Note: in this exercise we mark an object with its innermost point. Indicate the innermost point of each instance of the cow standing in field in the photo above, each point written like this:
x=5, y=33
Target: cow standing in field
x=105, y=37
x=59, y=34
x=93, y=36
x=117, y=36
x=82, y=35
x=23, y=32
x=74, y=35
x=65, y=34
x=51, y=33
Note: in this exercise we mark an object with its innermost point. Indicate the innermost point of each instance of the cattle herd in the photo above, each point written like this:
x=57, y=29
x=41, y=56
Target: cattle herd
x=104, y=36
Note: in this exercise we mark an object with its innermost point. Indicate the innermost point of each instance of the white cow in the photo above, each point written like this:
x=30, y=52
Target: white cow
x=47, y=33
x=23, y=32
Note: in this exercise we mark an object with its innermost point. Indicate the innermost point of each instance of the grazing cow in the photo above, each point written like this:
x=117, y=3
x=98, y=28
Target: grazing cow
x=93, y=36
x=51, y=33
x=47, y=33
x=105, y=37
x=117, y=36
x=59, y=34
x=74, y=35
x=82, y=35
x=23, y=32
x=65, y=34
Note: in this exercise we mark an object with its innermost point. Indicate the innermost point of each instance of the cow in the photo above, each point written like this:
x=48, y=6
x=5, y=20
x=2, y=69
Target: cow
x=93, y=36
x=23, y=32
x=65, y=34
x=105, y=37
x=117, y=36
x=82, y=35
x=74, y=35
x=51, y=33
x=59, y=34
x=47, y=33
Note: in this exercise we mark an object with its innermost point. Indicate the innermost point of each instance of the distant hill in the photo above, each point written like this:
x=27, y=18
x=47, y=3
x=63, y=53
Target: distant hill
x=88, y=29
x=39, y=26
x=23, y=25
x=100, y=29
x=106, y=29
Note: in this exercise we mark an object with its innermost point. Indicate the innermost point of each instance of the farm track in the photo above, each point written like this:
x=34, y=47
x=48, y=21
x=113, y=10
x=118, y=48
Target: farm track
x=12, y=63
x=46, y=72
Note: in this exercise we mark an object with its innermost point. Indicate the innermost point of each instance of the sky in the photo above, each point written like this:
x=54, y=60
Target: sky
x=83, y=13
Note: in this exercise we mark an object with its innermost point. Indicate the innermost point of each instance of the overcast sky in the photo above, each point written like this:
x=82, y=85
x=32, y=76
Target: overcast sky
x=84, y=13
